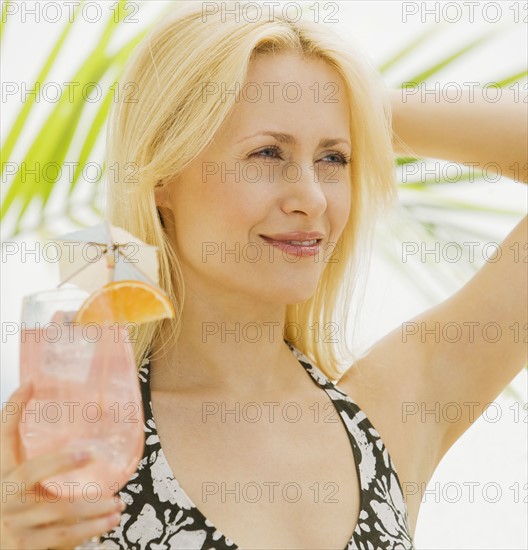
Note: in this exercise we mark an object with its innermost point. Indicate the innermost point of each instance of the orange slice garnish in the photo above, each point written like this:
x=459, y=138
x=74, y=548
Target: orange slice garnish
x=125, y=301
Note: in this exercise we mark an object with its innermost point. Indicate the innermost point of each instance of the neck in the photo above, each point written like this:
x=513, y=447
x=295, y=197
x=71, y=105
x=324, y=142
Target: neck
x=228, y=344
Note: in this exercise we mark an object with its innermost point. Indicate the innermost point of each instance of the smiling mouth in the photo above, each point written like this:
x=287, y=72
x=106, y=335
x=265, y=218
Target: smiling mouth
x=307, y=243
x=293, y=247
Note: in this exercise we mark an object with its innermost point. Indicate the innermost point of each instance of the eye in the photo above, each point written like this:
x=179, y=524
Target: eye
x=341, y=158
x=275, y=151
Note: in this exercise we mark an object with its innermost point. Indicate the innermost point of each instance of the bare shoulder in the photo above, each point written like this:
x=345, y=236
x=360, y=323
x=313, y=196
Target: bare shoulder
x=390, y=385
x=463, y=351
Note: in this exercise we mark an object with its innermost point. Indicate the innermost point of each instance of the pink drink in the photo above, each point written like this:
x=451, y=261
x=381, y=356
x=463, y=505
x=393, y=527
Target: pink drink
x=85, y=395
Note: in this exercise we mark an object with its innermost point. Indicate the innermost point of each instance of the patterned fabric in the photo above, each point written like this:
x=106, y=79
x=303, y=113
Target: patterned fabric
x=160, y=515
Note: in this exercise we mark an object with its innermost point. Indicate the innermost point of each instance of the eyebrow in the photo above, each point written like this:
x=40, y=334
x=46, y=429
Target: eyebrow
x=290, y=140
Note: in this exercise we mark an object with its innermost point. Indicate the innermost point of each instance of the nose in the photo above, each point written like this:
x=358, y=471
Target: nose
x=302, y=191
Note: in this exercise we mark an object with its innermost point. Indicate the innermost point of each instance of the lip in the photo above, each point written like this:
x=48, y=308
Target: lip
x=295, y=236
x=279, y=241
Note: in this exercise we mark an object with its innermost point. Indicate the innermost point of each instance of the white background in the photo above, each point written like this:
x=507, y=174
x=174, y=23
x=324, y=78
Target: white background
x=491, y=452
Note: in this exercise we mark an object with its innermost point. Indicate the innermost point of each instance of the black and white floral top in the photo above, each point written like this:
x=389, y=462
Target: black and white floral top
x=160, y=515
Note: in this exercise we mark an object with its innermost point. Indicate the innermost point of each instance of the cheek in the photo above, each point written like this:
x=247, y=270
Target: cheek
x=215, y=210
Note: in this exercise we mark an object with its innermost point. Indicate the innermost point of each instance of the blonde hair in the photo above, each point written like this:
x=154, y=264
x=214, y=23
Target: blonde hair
x=153, y=140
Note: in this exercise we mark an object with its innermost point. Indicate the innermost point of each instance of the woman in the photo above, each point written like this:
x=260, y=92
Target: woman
x=258, y=154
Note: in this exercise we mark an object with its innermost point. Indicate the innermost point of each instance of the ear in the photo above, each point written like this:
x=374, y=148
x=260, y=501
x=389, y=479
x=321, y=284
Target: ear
x=163, y=205
x=161, y=196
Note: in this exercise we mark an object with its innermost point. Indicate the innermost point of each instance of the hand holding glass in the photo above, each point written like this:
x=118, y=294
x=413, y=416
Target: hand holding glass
x=85, y=394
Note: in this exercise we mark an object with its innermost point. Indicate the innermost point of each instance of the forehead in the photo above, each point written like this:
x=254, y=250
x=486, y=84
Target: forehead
x=293, y=94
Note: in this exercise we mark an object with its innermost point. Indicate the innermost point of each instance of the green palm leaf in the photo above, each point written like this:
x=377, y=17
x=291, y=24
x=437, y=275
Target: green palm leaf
x=22, y=117
x=56, y=136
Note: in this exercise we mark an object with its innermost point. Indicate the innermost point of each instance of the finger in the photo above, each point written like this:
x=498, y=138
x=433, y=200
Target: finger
x=62, y=511
x=65, y=537
x=22, y=481
x=9, y=438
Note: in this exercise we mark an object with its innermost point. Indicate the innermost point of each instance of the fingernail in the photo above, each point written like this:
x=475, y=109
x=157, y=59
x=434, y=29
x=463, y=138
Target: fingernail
x=121, y=505
x=113, y=519
x=81, y=456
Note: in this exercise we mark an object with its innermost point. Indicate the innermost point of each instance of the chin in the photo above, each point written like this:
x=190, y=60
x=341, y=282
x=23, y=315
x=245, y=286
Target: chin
x=291, y=293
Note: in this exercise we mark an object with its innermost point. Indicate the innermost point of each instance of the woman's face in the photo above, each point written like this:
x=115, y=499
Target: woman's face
x=249, y=185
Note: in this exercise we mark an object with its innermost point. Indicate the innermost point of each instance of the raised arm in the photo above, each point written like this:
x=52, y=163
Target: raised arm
x=471, y=130
x=468, y=348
